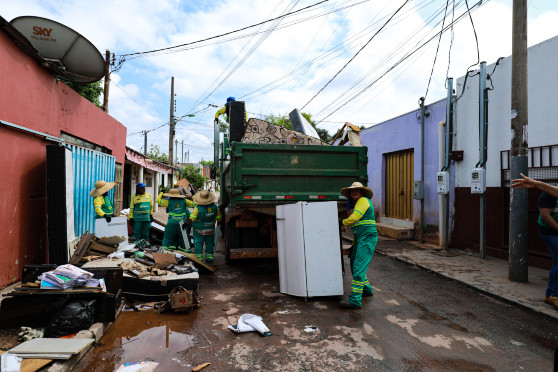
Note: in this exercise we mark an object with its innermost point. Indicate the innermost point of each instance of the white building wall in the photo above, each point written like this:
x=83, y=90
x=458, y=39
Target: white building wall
x=542, y=107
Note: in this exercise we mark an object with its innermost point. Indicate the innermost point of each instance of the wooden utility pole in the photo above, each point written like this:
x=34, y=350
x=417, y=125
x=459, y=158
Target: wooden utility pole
x=171, y=124
x=145, y=142
x=107, y=81
x=518, y=239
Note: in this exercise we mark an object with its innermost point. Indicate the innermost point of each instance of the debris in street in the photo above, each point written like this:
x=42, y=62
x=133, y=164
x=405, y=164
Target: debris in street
x=250, y=323
x=182, y=299
x=72, y=318
x=163, y=260
x=283, y=312
x=69, y=276
x=28, y=333
x=200, y=367
x=10, y=362
x=311, y=328
x=50, y=348
x=143, y=366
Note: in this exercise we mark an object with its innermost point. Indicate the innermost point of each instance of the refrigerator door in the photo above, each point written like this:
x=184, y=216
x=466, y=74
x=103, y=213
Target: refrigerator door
x=290, y=241
x=324, y=276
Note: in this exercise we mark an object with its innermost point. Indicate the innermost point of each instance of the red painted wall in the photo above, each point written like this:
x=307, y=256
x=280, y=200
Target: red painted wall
x=31, y=97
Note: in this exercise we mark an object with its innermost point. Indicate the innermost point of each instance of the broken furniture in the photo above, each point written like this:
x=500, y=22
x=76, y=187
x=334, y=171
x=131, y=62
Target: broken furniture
x=31, y=306
x=148, y=288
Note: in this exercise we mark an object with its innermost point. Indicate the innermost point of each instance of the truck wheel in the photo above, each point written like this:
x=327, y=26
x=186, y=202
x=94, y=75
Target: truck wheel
x=231, y=240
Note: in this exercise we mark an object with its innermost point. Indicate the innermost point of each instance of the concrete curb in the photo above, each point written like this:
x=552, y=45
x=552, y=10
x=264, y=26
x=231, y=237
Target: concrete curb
x=480, y=290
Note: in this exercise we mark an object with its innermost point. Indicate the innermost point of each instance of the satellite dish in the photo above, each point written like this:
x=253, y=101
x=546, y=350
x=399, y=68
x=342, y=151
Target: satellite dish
x=63, y=47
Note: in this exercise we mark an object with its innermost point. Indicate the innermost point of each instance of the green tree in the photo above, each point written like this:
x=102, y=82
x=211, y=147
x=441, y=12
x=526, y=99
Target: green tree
x=194, y=176
x=156, y=154
x=91, y=91
x=282, y=120
x=223, y=126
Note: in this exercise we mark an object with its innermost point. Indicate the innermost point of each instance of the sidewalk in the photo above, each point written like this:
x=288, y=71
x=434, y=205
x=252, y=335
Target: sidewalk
x=489, y=276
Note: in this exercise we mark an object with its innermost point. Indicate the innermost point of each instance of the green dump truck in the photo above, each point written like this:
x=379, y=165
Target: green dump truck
x=255, y=178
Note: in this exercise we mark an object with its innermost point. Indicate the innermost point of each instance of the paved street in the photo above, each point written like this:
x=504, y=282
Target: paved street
x=415, y=321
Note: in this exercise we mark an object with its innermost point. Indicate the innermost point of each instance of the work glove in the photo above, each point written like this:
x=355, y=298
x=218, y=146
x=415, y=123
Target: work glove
x=188, y=222
x=184, y=226
x=107, y=217
x=131, y=221
x=151, y=217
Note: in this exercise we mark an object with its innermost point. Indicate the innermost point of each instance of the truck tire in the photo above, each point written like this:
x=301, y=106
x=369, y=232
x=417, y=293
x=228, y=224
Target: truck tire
x=232, y=240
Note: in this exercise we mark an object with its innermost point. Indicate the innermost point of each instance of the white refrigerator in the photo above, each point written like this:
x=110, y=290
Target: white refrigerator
x=309, y=249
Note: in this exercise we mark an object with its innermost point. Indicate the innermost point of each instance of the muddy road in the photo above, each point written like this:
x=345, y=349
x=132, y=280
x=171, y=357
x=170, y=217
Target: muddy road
x=416, y=321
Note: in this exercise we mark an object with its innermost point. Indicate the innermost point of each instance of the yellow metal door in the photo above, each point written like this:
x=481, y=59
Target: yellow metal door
x=399, y=185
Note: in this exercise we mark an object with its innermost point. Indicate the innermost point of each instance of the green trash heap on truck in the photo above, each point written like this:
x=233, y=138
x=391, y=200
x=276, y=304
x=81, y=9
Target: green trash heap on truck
x=256, y=177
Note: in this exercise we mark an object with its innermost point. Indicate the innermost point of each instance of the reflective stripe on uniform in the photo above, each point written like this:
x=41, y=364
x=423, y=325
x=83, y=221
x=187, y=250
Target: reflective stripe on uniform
x=364, y=222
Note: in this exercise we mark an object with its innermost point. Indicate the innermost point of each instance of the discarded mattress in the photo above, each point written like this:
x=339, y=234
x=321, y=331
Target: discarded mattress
x=259, y=131
x=149, y=288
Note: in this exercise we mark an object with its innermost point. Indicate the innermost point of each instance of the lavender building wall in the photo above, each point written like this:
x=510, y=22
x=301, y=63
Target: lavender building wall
x=403, y=133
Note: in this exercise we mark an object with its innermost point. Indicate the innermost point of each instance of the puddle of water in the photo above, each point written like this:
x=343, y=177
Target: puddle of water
x=144, y=335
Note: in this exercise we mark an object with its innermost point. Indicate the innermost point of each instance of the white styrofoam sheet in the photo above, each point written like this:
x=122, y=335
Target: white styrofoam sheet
x=52, y=346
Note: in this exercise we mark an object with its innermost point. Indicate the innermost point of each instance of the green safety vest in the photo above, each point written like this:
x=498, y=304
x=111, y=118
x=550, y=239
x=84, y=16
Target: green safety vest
x=141, y=205
x=554, y=215
x=178, y=210
x=367, y=224
x=106, y=208
x=207, y=215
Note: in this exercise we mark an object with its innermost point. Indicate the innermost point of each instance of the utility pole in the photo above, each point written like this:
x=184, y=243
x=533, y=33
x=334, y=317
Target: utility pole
x=518, y=239
x=171, y=123
x=145, y=142
x=188, y=157
x=107, y=81
x=176, y=146
x=422, y=149
x=182, y=152
x=483, y=106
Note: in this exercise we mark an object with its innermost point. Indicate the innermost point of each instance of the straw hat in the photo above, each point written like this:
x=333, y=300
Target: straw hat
x=101, y=187
x=204, y=197
x=367, y=192
x=173, y=193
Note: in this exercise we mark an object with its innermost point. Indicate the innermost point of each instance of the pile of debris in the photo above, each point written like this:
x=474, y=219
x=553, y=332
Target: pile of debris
x=90, y=248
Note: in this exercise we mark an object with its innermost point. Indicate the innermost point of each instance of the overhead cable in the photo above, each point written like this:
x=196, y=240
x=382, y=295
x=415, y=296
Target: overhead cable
x=226, y=33
x=364, y=46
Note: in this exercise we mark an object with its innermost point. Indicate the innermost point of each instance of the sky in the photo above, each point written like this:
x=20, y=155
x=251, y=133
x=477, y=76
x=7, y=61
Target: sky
x=357, y=61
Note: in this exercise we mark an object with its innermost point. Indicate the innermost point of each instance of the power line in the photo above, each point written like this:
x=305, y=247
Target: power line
x=226, y=33
x=408, y=55
x=364, y=46
x=437, y=49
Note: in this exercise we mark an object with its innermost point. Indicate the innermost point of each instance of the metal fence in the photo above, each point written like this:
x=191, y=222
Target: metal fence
x=89, y=167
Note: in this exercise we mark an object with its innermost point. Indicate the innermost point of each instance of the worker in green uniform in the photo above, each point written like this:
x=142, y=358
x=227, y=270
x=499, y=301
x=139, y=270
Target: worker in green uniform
x=102, y=203
x=164, y=202
x=225, y=110
x=141, y=213
x=203, y=219
x=178, y=211
x=363, y=224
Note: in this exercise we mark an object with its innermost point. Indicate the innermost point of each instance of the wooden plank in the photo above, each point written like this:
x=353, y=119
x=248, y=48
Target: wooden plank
x=82, y=247
x=192, y=257
x=96, y=247
x=111, y=241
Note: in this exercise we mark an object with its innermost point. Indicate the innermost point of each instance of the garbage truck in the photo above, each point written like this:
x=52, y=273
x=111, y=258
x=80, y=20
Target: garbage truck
x=262, y=165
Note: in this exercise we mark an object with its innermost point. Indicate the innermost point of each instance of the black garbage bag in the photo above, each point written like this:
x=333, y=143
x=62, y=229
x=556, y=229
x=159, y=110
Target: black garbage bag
x=72, y=318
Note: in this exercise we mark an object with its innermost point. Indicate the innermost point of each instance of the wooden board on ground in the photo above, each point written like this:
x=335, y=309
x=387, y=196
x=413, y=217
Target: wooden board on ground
x=82, y=248
x=51, y=345
x=96, y=247
x=111, y=241
x=163, y=260
x=192, y=257
x=32, y=365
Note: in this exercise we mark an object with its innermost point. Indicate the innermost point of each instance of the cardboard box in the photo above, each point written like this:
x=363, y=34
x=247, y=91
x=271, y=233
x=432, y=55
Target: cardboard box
x=181, y=298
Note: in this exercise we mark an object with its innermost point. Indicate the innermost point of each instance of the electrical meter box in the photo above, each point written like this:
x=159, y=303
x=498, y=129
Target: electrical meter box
x=442, y=182
x=418, y=192
x=478, y=181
